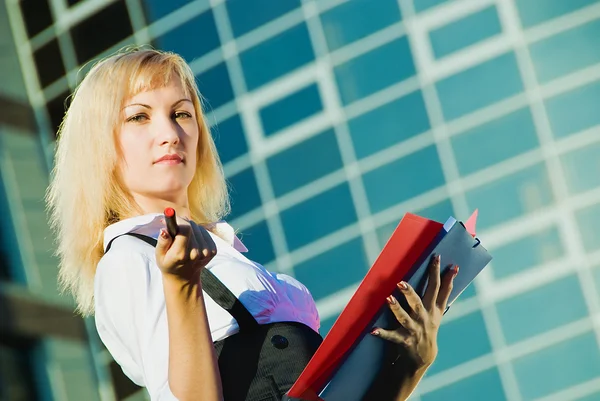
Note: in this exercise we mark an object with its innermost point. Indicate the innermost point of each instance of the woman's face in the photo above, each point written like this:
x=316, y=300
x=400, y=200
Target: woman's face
x=158, y=138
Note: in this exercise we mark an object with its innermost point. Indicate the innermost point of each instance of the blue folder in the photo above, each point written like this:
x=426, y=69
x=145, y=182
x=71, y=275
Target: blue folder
x=456, y=246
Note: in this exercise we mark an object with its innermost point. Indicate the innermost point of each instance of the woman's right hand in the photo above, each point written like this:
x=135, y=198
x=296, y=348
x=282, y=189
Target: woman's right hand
x=183, y=257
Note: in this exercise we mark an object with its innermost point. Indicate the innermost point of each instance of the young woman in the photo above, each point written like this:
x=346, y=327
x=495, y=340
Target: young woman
x=189, y=317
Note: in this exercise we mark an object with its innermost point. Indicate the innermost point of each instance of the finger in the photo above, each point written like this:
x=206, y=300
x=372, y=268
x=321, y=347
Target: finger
x=413, y=299
x=401, y=315
x=446, y=288
x=210, y=244
x=433, y=285
x=179, y=248
x=203, y=246
x=389, y=335
x=163, y=243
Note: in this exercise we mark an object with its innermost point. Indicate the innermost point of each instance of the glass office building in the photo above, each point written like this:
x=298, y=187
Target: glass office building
x=334, y=118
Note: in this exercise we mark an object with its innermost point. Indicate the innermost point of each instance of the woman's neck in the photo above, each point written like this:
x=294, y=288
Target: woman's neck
x=153, y=205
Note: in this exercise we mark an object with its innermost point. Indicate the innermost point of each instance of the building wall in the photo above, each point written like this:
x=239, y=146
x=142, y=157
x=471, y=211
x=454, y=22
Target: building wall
x=334, y=118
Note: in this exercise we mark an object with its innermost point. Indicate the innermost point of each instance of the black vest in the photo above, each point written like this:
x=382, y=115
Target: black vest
x=260, y=362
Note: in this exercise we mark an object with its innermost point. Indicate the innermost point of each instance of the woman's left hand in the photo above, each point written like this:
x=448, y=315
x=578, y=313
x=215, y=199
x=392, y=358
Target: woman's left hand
x=417, y=334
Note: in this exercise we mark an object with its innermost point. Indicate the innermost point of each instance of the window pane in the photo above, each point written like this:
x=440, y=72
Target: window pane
x=539, y=374
x=582, y=168
x=509, y=197
x=258, y=241
x=36, y=14
x=403, y=179
x=422, y=5
x=319, y=216
x=244, y=193
x=277, y=56
x=215, y=86
x=461, y=340
x=246, y=15
x=495, y=141
x=574, y=111
x=566, y=52
x=293, y=167
x=538, y=11
x=156, y=9
x=539, y=310
x=355, y=20
x=392, y=61
x=16, y=372
x=112, y=21
x=480, y=86
x=465, y=32
x=389, y=124
x=291, y=109
x=193, y=38
x=229, y=138
x=334, y=270
x=471, y=389
x=49, y=63
x=528, y=252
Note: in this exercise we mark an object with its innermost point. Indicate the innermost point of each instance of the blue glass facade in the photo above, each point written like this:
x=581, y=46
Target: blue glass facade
x=333, y=118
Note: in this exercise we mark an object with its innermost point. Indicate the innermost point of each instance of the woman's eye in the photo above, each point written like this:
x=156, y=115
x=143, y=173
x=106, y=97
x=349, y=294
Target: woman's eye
x=137, y=118
x=182, y=114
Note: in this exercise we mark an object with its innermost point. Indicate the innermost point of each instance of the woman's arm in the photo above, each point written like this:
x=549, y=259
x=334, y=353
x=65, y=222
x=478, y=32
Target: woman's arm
x=193, y=369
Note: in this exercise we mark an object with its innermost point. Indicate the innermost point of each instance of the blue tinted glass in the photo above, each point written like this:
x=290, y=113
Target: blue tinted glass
x=588, y=220
x=294, y=167
x=389, y=124
x=327, y=324
x=538, y=11
x=229, y=138
x=480, y=86
x=509, y=197
x=193, y=39
x=319, y=216
x=591, y=397
x=354, y=20
x=582, y=168
x=291, y=109
x=422, y=5
x=558, y=367
x=539, y=309
x=465, y=32
x=215, y=86
x=566, y=52
x=525, y=253
x=334, y=270
x=471, y=389
x=403, y=179
x=438, y=212
x=461, y=340
x=258, y=241
x=244, y=193
x=156, y=9
x=496, y=141
x=574, y=111
x=246, y=15
x=392, y=61
x=277, y=56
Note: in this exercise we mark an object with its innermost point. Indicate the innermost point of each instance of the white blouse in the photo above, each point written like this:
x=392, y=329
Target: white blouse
x=130, y=304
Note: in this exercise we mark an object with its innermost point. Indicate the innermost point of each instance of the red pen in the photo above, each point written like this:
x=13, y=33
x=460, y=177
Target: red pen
x=171, y=222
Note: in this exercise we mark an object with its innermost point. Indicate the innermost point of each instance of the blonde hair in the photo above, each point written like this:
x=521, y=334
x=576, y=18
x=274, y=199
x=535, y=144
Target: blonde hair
x=85, y=194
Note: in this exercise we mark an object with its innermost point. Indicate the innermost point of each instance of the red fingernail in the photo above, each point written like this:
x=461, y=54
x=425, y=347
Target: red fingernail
x=391, y=300
x=438, y=258
x=455, y=270
x=163, y=233
x=402, y=285
x=375, y=332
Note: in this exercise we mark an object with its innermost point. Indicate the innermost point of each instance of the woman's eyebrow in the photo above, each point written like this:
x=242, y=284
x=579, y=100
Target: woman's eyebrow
x=149, y=107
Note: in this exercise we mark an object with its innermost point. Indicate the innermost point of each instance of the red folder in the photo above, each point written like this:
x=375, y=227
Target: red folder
x=408, y=242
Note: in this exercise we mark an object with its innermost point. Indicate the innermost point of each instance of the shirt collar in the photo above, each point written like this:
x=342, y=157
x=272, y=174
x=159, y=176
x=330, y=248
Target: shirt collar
x=150, y=225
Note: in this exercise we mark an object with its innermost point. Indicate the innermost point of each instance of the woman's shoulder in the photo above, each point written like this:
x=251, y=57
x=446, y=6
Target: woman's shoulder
x=127, y=255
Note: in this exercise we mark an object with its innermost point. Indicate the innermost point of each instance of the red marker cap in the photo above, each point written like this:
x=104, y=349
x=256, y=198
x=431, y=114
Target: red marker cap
x=169, y=212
